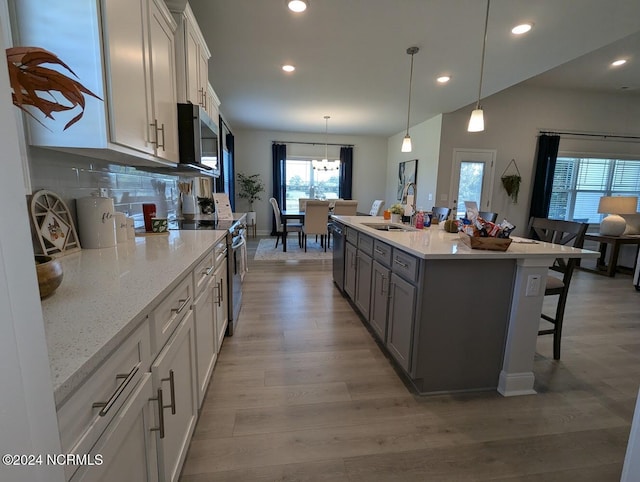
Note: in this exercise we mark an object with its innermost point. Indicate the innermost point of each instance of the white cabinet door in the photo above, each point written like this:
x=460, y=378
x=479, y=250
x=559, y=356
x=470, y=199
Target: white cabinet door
x=174, y=373
x=127, y=448
x=203, y=77
x=192, y=64
x=205, y=337
x=129, y=94
x=221, y=306
x=164, y=124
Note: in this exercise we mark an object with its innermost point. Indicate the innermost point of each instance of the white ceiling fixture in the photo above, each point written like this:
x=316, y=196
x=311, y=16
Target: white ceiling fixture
x=288, y=68
x=325, y=164
x=619, y=62
x=406, y=142
x=297, y=5
x=443, y=79
x=476, y=122
x=522, y=28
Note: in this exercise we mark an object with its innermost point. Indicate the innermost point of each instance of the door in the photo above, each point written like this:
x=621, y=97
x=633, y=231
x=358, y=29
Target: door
x=472, y=178
x=379, y=300
x=174, y=372
x=363, y=283
x=401, y=318
x=350, y=266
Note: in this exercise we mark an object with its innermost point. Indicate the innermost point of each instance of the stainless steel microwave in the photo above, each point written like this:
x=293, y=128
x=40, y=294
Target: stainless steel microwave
x=198, y=140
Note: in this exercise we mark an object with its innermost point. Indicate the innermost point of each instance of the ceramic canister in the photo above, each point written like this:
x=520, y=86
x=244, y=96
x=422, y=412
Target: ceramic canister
x=121, y=227
x=96, y=222
x=131, y=228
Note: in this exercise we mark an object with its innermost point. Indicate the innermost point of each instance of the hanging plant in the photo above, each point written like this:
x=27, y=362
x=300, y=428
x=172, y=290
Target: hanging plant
x=29, y=80
x=511, y=182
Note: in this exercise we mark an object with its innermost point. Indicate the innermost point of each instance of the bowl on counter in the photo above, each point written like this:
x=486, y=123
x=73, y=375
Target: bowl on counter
x=49, y=271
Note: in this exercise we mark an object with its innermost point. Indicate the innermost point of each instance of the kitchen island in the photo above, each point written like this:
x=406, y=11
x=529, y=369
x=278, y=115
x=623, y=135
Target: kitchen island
x=451, y=317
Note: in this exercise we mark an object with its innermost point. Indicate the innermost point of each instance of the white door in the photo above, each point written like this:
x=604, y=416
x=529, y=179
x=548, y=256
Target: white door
x=472, y=178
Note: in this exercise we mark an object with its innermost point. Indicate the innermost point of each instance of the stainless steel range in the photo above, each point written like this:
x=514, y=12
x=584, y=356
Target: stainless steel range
x=235, y=240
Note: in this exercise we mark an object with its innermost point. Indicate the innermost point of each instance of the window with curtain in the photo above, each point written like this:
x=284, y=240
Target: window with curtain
x=580, y=182
x=303, y=181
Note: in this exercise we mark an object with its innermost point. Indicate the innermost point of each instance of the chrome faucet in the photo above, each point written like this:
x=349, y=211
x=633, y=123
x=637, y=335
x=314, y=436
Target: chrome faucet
x=405, y=194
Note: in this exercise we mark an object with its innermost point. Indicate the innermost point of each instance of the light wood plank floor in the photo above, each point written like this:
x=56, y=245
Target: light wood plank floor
x=301, y=392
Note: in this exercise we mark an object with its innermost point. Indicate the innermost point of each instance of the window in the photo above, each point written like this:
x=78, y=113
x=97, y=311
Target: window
x=305, y=182
x=579, y=183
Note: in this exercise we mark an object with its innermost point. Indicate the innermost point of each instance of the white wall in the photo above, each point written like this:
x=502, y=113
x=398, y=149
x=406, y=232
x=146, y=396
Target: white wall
x=253, y=156
x=425, y=141
x=513, y=119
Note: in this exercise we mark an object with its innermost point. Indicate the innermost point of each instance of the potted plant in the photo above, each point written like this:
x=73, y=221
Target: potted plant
x=397, y=210
x=250, y=187
x=511, y=182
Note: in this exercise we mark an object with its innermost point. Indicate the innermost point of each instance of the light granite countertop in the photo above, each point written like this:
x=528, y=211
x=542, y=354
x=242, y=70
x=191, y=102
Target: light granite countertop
x=435, y=243
x=106, y=293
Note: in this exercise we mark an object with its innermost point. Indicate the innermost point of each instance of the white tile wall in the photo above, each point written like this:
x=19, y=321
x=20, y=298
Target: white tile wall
x=72, y=177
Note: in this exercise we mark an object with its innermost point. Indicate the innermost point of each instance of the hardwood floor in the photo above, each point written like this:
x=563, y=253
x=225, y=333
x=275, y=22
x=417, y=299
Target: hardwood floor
x=302, y=392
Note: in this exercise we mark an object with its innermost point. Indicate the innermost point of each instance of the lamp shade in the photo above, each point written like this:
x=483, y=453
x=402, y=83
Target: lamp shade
x=618, y=204
x=406, y=144
x=476, y=122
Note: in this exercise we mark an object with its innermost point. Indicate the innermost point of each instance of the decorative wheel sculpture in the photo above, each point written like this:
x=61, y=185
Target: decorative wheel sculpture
x=53, y=224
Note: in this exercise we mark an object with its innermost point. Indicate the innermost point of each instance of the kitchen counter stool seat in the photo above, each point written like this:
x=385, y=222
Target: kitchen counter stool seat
x=568, y=233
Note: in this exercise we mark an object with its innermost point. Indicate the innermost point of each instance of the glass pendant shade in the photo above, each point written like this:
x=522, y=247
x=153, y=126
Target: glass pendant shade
x=476, y=122
x=406, y=144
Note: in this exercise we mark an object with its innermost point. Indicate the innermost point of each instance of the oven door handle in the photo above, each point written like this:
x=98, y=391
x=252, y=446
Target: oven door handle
x=235, y=246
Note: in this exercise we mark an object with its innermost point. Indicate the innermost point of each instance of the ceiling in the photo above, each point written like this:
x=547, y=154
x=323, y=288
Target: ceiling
x=351, y=61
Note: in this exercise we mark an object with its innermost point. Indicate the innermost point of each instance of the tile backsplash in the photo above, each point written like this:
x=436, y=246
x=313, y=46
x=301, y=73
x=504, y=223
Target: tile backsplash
x=72, y=177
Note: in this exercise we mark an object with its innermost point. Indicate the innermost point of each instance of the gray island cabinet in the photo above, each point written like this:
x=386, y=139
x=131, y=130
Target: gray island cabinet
x=453, y=318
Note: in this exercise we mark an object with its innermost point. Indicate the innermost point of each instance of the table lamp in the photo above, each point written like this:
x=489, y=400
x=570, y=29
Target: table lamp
x=614, y=224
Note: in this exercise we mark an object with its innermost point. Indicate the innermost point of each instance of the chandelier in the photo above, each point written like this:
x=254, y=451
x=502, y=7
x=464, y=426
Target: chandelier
x=325, y=164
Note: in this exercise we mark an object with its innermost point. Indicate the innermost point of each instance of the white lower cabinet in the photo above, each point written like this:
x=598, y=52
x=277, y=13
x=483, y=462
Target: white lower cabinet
x=221, y=306
x=126, y=451
x=174, y=379
x=205, y=337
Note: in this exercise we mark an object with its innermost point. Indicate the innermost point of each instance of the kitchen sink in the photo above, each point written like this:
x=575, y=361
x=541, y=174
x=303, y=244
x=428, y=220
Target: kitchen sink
x=389, y=227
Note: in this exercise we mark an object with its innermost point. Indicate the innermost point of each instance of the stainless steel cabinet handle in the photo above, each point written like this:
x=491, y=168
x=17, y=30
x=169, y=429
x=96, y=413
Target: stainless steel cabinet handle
x=207, y=271
x=106, y=406
x=400, y=263
x=383, y=288
x=172, y=389
x=183, y=303
x=160, y=427
x=219, y=295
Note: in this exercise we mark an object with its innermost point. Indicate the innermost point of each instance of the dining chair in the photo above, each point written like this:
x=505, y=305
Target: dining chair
x=291, y=227
x=566, y=233
x=376, y=207
x=440, y=213
x=345, y=207
x=488, y=216
x=302, y=202
x=315, y=221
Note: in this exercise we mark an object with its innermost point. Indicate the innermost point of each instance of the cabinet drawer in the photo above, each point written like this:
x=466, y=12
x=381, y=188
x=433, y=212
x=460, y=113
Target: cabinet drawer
x=202, y=273
x=405, y=265
x=352, y=236
x=382, y=253
x=170, y=312
x=365, y=244
x=80, y=423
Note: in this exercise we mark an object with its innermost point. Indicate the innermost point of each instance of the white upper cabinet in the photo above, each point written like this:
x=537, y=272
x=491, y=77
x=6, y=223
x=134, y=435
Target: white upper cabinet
x=124, y=52
x=192, y=55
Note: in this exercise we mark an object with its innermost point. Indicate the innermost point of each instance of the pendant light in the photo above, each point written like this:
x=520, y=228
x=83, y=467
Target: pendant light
x=325, y=165
x=476, y=122
x=406, y=142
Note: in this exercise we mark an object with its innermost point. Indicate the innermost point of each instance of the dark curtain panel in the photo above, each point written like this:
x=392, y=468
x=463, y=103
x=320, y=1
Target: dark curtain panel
x=346, y=172
x=543, y=176
x=279, y=190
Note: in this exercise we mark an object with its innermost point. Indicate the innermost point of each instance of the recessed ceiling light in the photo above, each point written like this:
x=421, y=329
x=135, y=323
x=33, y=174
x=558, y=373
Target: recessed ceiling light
x=522, y=28
x=618, y=63
x=288, y=68
x=443, y=79
x=297, y=5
